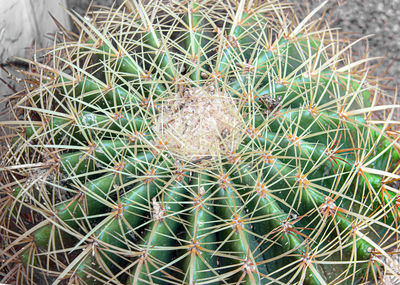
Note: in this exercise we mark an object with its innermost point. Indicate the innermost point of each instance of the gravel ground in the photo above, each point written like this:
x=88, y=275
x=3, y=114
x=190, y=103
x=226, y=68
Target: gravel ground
x=80, y=6
x=379, y=19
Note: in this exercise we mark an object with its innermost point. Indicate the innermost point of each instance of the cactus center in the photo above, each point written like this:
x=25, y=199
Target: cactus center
x=198, y=122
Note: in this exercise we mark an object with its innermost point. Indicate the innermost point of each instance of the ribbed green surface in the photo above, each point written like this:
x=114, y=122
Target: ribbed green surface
x=294, y=199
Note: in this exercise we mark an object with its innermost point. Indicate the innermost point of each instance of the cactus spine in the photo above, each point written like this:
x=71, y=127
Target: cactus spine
x=203, y=142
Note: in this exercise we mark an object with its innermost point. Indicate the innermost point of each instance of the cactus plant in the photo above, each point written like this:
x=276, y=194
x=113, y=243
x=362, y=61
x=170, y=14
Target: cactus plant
x=199, y=142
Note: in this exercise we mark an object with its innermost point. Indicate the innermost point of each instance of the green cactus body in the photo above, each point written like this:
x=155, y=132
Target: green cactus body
x=207, y=143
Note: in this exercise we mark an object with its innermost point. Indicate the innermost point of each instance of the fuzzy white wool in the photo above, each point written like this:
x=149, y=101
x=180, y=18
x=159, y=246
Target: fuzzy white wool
x=199, y=122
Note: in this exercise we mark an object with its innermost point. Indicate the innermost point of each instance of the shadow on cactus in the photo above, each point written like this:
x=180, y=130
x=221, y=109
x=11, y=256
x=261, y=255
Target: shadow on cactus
x=199, y=143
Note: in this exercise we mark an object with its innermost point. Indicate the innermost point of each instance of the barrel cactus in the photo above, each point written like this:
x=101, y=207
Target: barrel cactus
x=199, y=142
